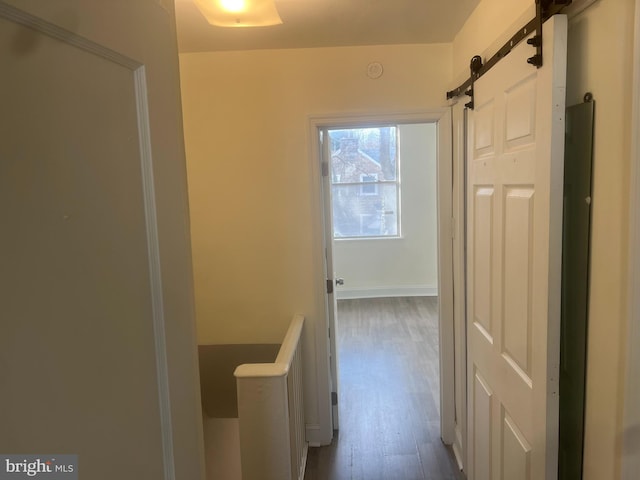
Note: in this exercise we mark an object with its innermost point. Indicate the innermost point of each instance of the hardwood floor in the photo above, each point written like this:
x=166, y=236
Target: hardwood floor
x=389, y=395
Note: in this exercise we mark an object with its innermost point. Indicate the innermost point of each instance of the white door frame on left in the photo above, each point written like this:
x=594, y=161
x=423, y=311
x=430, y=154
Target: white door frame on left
x=322, y=433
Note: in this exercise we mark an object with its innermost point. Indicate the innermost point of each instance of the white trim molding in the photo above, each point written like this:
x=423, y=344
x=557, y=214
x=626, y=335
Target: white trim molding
x=321, y=434
x=314, y=434
x=459, y=234
x=445, y=279
x=155, y=272
x=631, y=424
x=387, y=291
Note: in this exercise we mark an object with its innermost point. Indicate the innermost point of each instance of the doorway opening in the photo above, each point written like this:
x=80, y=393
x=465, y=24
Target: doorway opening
x=381, y=215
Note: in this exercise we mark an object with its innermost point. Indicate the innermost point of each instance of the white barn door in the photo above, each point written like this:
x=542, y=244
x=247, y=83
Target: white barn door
x=516, y=150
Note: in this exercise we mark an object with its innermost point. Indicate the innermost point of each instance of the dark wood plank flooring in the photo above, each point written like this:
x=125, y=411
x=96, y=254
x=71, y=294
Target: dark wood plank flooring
x=389, y=395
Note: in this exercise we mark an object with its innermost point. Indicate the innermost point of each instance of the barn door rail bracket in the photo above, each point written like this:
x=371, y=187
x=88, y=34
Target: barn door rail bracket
x=545, y=9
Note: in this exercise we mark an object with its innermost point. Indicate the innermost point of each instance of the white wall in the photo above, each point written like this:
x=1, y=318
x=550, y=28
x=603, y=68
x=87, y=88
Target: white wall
x=406, y=265
x=600, y=44
x=254, y=193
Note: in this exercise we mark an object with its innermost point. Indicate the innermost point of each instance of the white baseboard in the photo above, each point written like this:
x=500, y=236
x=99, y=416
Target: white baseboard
x=313, y=434
x=303, y=467
x=458, y=455
x=389, y=291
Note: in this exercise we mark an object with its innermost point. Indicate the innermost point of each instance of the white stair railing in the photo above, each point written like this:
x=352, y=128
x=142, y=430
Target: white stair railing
x=271, y=413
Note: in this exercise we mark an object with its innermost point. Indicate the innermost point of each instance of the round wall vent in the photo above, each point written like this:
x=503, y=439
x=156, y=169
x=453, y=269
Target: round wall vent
x=374, y=70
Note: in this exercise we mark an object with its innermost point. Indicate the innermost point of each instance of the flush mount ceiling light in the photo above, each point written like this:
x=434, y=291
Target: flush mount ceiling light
x=239, y=13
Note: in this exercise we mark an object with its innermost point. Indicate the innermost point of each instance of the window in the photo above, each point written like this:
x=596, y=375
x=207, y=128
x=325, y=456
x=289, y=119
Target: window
x=368, y=187
x=365, y=182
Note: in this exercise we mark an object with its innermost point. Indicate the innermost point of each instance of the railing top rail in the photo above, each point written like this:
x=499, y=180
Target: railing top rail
x=285, y=355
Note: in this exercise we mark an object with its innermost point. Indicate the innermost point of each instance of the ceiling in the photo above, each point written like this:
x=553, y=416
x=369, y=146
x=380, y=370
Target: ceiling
x=329, y=23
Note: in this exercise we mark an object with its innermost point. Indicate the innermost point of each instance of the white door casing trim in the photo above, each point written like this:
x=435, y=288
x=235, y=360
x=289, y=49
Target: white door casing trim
x=140, y=86
x=321, y=434
x=459, y=279
x=155, y=272
x=445, y=279
x=631, y=423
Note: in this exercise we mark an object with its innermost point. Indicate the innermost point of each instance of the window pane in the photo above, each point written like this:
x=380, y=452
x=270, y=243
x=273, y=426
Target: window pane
x=358, y=152
x=367, y=187
x=358, y=214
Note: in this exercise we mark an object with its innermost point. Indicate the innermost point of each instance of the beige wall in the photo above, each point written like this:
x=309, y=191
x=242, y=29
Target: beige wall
x=600, y=43
x=489, y=26
x=600, y=48
x=255, y=211
x=80, y=325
